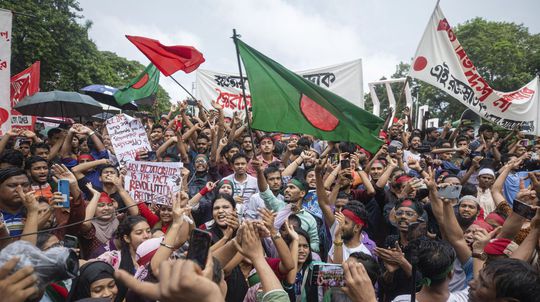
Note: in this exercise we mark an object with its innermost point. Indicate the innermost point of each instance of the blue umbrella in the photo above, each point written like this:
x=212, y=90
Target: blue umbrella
x=105, y=95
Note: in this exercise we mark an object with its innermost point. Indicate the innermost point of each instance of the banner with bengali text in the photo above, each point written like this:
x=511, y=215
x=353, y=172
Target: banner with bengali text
x=442, y=62
x=5, y=70
x=343, y=79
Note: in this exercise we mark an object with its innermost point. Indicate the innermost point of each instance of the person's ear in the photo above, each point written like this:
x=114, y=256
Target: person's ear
x=302, y=193
x=127, y=239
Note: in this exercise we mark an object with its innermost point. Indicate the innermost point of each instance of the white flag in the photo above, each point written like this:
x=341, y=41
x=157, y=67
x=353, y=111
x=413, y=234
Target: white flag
x=5, y=70
x=343, y=79
x=441, y=61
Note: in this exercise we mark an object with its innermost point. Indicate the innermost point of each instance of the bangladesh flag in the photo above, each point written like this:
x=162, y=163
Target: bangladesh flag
x=286, y=102
x=144, y=86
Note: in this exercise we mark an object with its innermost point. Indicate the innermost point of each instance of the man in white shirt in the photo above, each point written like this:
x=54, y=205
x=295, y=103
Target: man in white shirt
x=245, y=185
x=349, y=234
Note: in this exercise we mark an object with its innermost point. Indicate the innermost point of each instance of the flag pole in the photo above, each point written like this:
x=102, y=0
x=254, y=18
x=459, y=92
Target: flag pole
x=189, y=93
x=235, y=38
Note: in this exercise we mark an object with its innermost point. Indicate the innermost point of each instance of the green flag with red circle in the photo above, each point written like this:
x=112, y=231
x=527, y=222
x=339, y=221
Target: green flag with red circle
x=144, y=86
x=286, y=102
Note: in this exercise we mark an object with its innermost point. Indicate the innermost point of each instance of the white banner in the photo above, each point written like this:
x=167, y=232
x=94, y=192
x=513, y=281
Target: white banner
x=442, y=62
x=128, y=137
x=343, y=79
x=153, y=182
x=5, y=70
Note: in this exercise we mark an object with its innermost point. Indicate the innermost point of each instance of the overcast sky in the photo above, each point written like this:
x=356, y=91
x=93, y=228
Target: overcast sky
x=300, y=34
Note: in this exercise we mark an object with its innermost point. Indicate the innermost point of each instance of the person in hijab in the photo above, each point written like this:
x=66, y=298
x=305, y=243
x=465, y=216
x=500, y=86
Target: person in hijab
x=96, y=280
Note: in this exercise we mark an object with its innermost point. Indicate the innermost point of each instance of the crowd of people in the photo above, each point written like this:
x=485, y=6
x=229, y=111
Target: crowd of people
x=436, y=214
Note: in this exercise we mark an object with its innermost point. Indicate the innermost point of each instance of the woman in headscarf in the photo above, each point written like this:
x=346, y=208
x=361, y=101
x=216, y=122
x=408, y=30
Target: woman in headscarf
x=96, y=280
x=99, y=230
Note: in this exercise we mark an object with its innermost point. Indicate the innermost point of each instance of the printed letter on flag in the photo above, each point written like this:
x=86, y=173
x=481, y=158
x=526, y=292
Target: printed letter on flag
x=5, y=70
x=442, y=62
x=343, y=79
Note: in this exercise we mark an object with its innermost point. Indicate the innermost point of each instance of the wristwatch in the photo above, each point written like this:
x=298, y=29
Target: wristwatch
x=338, y=243
x=276, y=236
x=482, y=256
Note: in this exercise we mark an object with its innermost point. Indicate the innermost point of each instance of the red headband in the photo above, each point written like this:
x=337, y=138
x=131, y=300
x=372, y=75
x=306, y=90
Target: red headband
x=105, y=198
x=349, y=214
x=497, y=246
x=85, y=156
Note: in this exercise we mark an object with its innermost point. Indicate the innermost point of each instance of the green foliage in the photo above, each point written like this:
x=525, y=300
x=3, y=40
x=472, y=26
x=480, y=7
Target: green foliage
x=54, y=35
x=505, y=54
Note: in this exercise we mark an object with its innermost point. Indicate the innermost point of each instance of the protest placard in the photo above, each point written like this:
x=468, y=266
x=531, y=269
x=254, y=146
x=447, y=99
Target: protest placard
x=153, y=182
x=128, y=136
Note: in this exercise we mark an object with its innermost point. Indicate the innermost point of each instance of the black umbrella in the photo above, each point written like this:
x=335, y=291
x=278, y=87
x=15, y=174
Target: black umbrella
x=105, y=94
x=59, y=103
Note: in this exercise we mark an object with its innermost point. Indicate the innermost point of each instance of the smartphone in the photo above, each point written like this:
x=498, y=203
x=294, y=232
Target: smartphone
x=63, y=187
x=424, y=149
x=327, y=275
x=199, y=244
x=524, y=210
x=71, y=242
x=450, y=192
x=191, y=102
x=345, y=164
x=392, y=149
x=151, y=155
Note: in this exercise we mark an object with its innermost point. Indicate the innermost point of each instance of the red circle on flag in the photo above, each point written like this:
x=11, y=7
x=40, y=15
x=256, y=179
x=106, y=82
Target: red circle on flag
x=420, y=63
x=317, y=115
x=140, y=83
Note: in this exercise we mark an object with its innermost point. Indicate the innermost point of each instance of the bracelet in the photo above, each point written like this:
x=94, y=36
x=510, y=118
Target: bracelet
x=204, y=191
x=91, y=133
x=338, y=243
x=276, y=236
x=167, y=246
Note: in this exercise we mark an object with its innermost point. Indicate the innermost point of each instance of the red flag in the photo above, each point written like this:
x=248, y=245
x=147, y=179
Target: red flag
x=168, y=59
x=24, y=84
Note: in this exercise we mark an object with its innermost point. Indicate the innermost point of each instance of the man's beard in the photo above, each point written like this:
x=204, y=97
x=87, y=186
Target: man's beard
x=465, y=222
x=347, y=236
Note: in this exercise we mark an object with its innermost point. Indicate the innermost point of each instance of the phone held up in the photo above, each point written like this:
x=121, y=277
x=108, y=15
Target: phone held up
x=199, y=245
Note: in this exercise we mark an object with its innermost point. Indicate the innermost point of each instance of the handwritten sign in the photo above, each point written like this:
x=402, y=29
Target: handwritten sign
x=128, y=137
x=153, y=182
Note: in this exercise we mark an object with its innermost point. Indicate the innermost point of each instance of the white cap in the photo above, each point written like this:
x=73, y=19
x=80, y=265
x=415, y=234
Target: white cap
x=486, y=171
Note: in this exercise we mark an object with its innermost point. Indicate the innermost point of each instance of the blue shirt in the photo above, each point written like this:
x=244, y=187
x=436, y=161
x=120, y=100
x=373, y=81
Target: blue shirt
x=14, y=222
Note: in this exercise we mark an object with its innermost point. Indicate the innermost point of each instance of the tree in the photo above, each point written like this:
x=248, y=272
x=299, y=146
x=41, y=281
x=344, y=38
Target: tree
x=505, y=54
x=49, y=31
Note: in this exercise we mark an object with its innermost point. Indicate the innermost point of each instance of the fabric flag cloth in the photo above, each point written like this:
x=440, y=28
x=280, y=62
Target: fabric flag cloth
x=441, y=61
x=5, y=70
x=286, y=102
x=168, y=59
x=24, y=84
x=144, y=86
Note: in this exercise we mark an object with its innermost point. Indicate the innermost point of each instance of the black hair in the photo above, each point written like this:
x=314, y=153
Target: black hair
x=228, y=147
x=485, y=127
x=513, y=278
x=430, y=129
x=266, y=136
x=108, y=166
x=158, y=126
x=433, y=259
x=52, y=132
x=371, y=266
x=11, y=172
x=468, y=189
x=34, y=147
x=227, y=197
x=347, y=147
x=32, y=160
x=12, y=157
x=304, y=142
x=271, y=169
x=357, y=208
x=418, y=206
x=126, y=263
x=217, y=270
x=462, y=138
x=297, y=151
x=202, y=135
x=237, y=156
x=450, y=175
